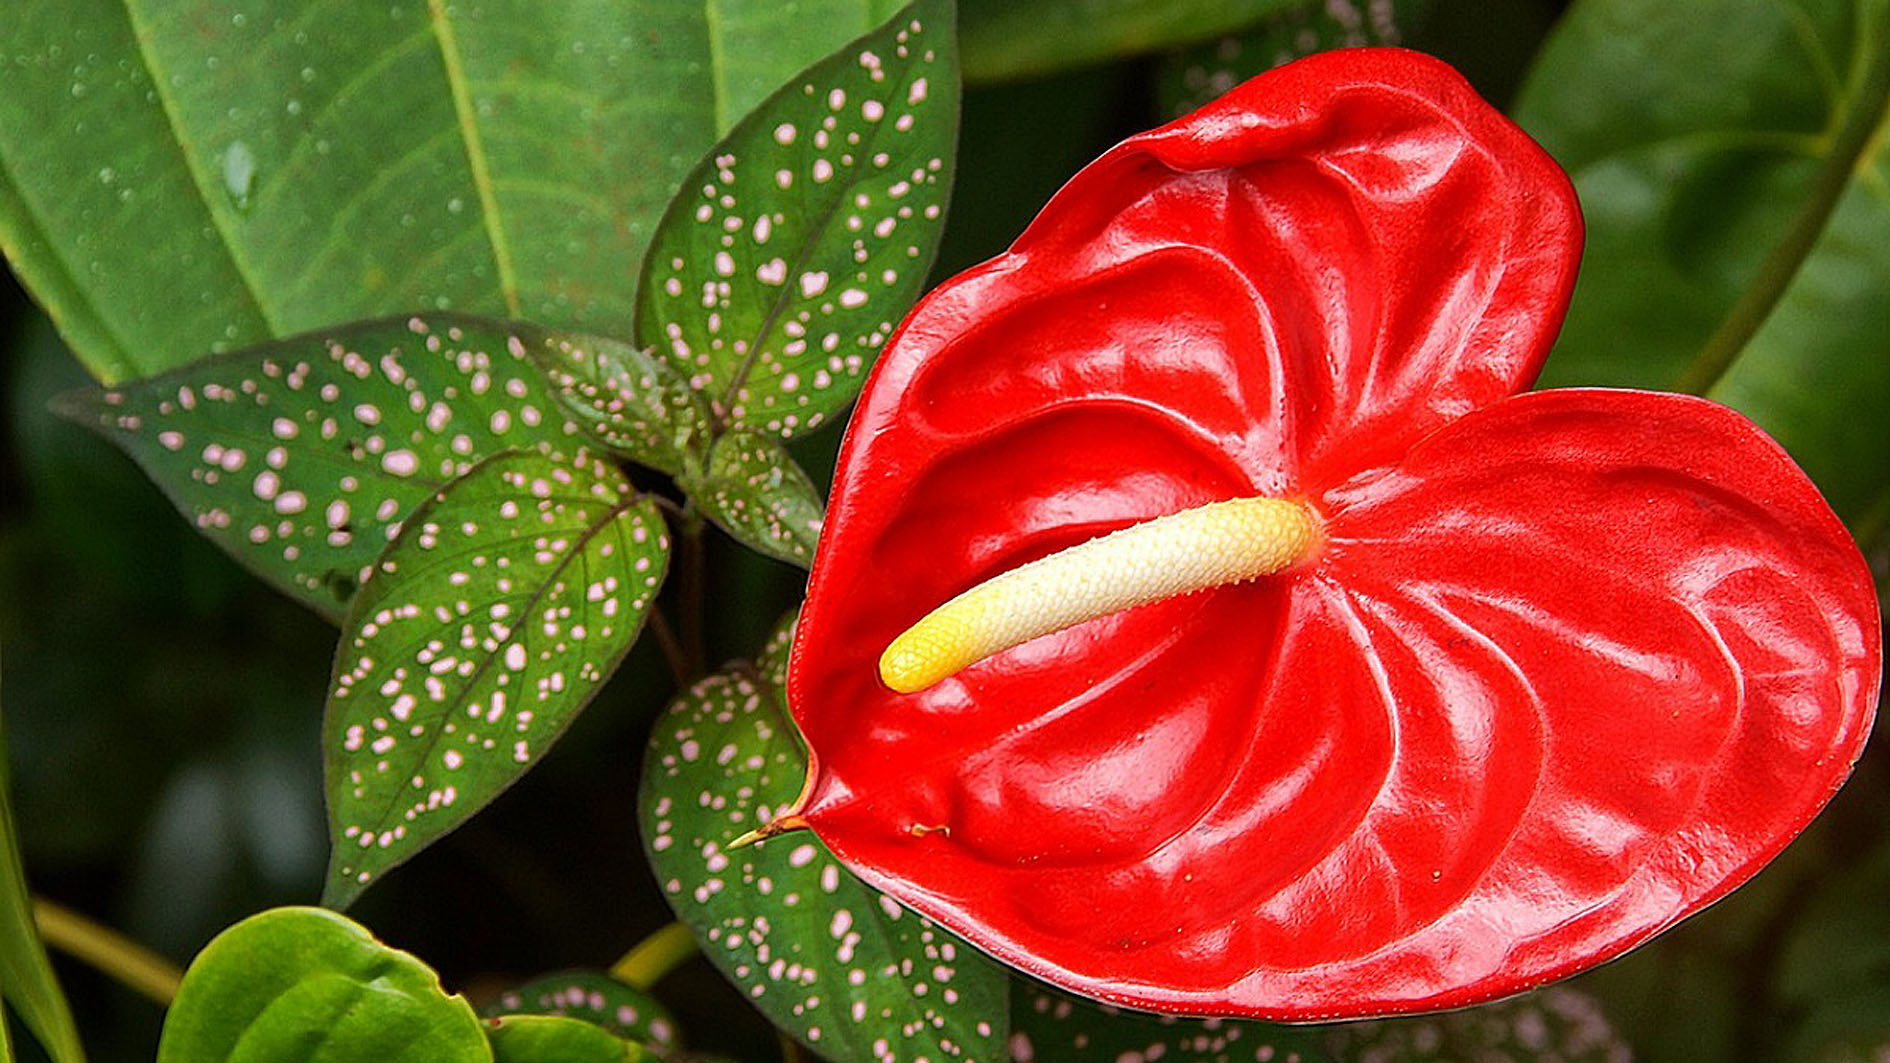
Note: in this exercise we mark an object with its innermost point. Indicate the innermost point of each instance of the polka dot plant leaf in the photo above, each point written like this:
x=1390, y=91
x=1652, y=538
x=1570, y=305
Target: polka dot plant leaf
x=597, y=998
x=851, y=974
x=1051, y=1026
x=300, y=457
x=753, y=490
x=801, y=239
x=627, y=399
x=488, y=624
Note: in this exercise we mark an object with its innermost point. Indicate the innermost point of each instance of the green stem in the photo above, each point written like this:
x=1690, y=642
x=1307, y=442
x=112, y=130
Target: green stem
x=106, y=949
x=1861, y=119
x=655, y=956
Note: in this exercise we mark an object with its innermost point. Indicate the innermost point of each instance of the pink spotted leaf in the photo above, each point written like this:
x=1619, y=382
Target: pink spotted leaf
x=802, y=238
x=300, y=457
x=753, y=489
x=504, y=603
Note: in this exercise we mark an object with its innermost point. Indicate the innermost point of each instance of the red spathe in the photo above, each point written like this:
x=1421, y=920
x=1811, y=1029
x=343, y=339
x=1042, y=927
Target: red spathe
x=1568, y=666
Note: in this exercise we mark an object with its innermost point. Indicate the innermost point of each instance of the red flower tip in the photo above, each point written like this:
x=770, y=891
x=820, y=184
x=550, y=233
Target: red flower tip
x=1545, y=674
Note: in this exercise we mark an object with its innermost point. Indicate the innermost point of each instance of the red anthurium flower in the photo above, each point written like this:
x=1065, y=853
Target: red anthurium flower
x=1424, y=692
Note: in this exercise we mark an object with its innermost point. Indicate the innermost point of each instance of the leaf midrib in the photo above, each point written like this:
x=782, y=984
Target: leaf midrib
x=466, y=118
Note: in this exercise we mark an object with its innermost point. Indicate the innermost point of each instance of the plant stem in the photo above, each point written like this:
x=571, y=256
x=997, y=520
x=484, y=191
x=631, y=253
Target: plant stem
x=1861, y=117
x=655, y=956
x=106, y=949
x=691, y=590
x=672, y=650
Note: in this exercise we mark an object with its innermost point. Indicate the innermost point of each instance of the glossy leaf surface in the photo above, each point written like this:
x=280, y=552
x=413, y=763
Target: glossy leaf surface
x=301, y=457
x=797, y=244
x=1516, y=713
x=486, y=626
x=27, y=984
x=850, y=973
x=626, y=399
x=1739, y=226
x=753, y=489
x=596, y=998
x=304, y=985
x=255, y=154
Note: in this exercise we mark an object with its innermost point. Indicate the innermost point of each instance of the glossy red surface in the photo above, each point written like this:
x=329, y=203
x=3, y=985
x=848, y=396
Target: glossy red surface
x=1569, y=666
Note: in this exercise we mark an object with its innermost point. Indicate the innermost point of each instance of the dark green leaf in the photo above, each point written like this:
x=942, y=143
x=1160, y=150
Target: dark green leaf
x=1557, y=1023
x=554, y=1039
x=597, y=998
x=27, y=984
x=301, y=457
x=1731, y=162
x=304, y=985
x=1190, y=78
x=1050, y=1025
x=753, y=489
x=486, y=626
x=631, y=402
x=1005, y=39
x=852, y=974
x=800, y=240
x=188, y=176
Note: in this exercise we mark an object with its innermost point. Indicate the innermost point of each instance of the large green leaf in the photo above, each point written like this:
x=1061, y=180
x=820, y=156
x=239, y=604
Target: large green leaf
x=752, y=488
x=486, y=627
x=852, y=974
x=800, y=241
x=1734, y=171
x=179, y=176
x=1006, y=39
x=27, y=984
x=304, y=985
x=301, y=457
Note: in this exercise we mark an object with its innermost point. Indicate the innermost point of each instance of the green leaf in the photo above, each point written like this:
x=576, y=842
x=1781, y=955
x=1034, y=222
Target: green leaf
x=302, y=985
x=1048, y=1024
x=1192, y=77
x=596, y=998
x=486, y=626
x=1004, y=39
x=554, y=1039
x=27, y=984
x=301, y=457
x=850, y=973
x=627, y=400
x=753, y=490
x=799, y=242
x=1557, y=1023
x=280, y=169
x=1735, y=175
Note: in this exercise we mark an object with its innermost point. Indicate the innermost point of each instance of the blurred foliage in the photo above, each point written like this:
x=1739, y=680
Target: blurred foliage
x=163, y=705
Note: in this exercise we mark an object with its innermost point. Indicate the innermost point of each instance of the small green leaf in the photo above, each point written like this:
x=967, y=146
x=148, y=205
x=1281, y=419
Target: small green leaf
x=301, y=457
x=1004, y=39
x=304, y=985
x=753, y=490
x=555, y=1039
x=1557, y=1023
x=487, y=625
x=847, y=971
x=1048, y=1024
x=800, y=240
x=27, y=984
x=597, y=998
x=627, y=400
